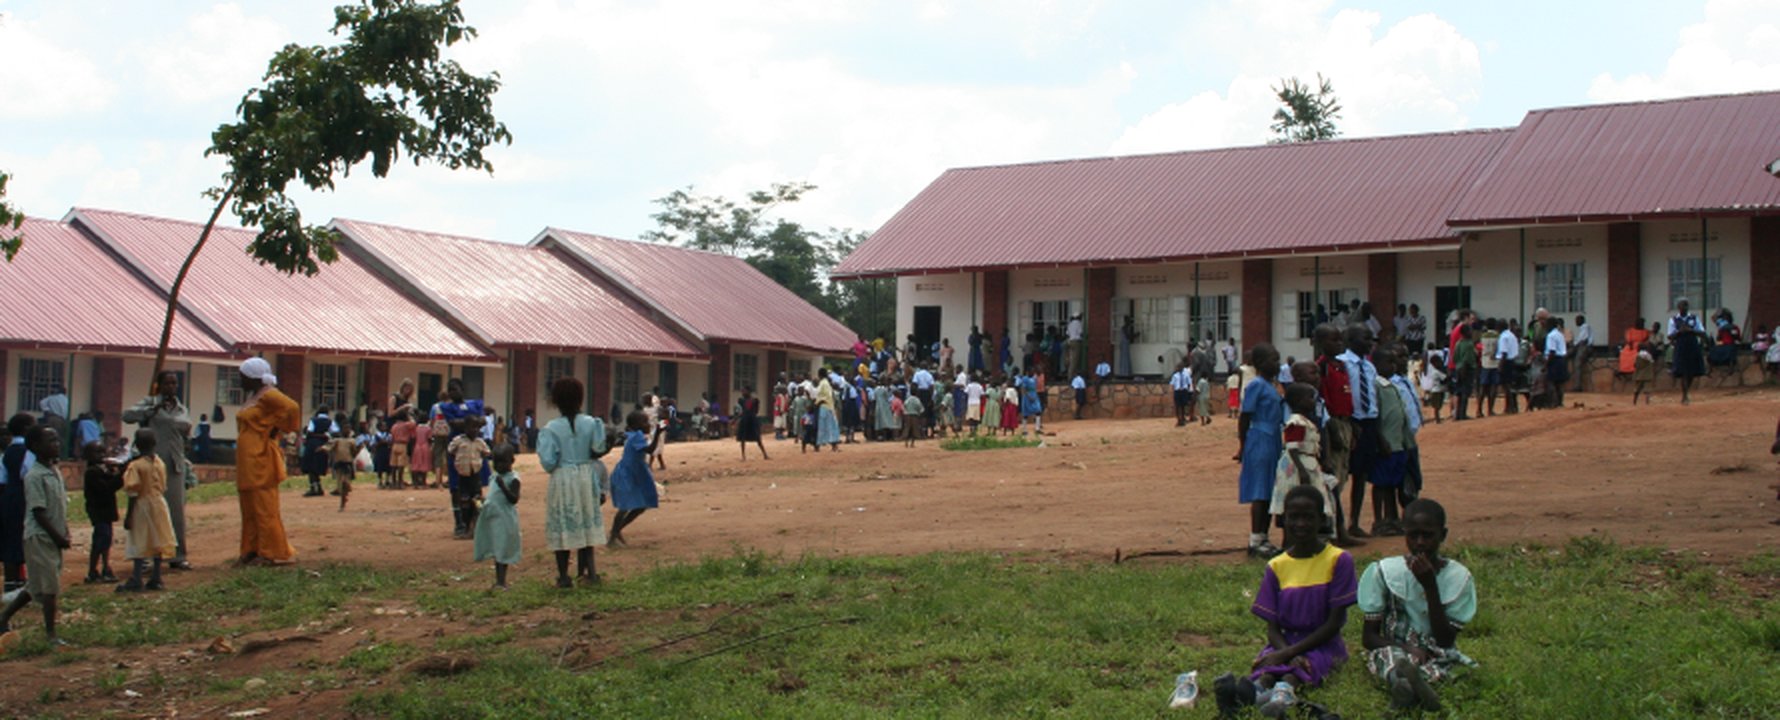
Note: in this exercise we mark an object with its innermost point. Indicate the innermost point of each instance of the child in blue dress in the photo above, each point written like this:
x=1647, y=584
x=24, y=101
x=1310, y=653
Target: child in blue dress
x=497, y=526
x=1258, y=429
x=633, y=486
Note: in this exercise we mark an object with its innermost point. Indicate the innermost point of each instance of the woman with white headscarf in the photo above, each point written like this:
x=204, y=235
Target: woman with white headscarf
x=259, y=464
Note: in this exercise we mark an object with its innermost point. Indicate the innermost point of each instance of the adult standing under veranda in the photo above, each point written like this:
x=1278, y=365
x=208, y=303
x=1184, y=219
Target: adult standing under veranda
x=1688, y=337
x=166, y=415
x=259, y=464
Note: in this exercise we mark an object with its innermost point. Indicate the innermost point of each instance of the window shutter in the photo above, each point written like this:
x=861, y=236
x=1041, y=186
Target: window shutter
x=1288, y=316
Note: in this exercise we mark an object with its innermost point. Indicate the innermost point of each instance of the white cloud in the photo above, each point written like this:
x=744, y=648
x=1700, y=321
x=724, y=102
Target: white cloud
x=40, y=79
x=217, y=55
x=1419, y=74
x=1735, y=49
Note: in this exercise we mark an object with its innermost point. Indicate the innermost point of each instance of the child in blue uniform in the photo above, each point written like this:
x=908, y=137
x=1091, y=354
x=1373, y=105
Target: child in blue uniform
x=633, y=486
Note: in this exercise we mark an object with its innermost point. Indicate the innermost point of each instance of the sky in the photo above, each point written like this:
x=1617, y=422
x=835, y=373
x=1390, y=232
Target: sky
x=613, y=104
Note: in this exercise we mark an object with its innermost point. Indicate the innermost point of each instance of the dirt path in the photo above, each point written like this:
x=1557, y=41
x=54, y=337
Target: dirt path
x=1695, y=478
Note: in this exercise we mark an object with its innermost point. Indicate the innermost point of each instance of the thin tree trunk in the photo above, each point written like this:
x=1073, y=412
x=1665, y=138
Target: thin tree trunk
x=154, y=378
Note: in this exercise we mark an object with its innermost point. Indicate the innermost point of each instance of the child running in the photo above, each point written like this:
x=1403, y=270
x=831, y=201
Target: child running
x=46, y=531
x=633, y=486
x=148, y=527
x=1304, y=596
x=497, y=527
x=342, y=451
x=1410, y=642
x=99, y=490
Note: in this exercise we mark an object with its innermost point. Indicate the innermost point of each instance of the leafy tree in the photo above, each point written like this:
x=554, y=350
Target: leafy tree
x=789, y=253
x=1306, y=114
x=382, y=92
x=10, y=220
x=865, y=306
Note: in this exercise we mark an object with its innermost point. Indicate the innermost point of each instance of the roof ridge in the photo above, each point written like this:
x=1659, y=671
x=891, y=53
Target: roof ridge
x=642, y=243
x=1242, y=148
x=157, y=218
x=1653, y=101
x=452, y=236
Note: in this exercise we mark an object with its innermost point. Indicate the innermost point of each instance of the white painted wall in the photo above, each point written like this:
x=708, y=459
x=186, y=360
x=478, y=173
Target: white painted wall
x=952, y=293
x=1300, y=274
x=1679, y=239
x=1170, y=281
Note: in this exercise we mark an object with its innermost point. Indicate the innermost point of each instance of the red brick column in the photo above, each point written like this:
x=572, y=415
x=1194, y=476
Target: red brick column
x=1624, y=270
x=1764, y=266
x=994, y=304
x=1381, y=288
x=377, y=389
x=289, y=369
x=599, y=386
x=1098, y=322
x=720, y=369
x=108, y=392
x=524, y=366
x=1257, y=303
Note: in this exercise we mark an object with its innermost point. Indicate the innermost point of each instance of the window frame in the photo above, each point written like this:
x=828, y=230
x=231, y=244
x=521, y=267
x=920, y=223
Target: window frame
x=228, y=387
x=1689, y=286
x=739, y=379
x=620, y=382
x=322, y=387
x=1549, y=288
x=33, y=389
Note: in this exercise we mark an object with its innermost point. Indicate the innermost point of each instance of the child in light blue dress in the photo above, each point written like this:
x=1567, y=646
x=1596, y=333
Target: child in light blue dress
x=497, y=526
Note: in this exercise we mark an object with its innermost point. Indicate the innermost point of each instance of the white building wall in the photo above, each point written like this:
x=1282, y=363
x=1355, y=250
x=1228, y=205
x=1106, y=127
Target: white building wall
x=1345, y=274
x=951, y=293
x=1151, y=355
x=1679, y=239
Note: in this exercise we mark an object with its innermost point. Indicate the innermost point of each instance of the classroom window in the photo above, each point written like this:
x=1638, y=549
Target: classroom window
x=1684, y=282
x=1558, y=287
x=228, y=387
x=744, y=371
x=1211, y=315
x=557, y=367
x=626, y=382
x=38, y=379
x=799, y=368
x=330, y=387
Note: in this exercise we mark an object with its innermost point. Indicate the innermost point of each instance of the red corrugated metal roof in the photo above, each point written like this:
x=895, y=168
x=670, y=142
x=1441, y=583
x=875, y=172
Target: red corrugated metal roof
x=343, y=309
x=1648, y=159
x=519, y=296
x=717, y=296
x=65, y=292
x=1262, y=200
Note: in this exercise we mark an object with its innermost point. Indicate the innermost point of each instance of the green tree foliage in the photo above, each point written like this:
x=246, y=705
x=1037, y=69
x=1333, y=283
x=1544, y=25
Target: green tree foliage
x=10, y=220
x=383, y=91
x=865, y=306
x=1305, y=114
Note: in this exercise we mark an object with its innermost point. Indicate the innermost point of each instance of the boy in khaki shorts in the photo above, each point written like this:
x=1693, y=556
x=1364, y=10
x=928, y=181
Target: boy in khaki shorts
x=46, y=532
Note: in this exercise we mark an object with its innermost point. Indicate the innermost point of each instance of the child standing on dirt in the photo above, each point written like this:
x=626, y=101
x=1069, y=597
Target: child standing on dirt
x=1304, y=596
x=420, y=461
x=912, y=419
x=1410, y=642
x=1464, y=373
x=1258, y=430
x=633, y=486
x=1202, y=399
x=99, y=489
x=1433, y=382
x=497, y=527
x=46, y=531
x=467, y=451
x=1233, y=388
x=342, y=453
x=148, y=527
x=1010, y=405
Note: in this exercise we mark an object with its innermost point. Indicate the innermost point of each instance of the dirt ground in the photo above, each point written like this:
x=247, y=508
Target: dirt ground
x=1696, y=479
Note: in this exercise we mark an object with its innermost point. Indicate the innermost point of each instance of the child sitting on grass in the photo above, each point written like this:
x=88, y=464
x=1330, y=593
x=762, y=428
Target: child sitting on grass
x=99, y=490
x=46, y=532
x=148, y=527
x=497, y=527
x=1304, y=596
x=1410, y=642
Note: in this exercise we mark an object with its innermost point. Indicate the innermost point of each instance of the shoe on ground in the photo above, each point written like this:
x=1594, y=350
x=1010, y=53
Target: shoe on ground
x=180, y=565
x=93, y=579
x=130, y=586
x=1264, y=551
x=154, y=585
x=1279, y=700
x=1402, y=694
x=1357, y=531
x=107, y=577
x=563, y=582
x=588, y=580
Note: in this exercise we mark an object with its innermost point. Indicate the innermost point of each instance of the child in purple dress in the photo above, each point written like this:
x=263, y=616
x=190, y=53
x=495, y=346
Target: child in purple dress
x=1304, y=597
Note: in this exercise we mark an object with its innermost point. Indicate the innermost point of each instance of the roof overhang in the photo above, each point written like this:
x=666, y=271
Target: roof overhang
x=737, y=342
x=1450, y=242
x=256, y=348
x=1469, y=224
x=622, y=354
x=116, y=350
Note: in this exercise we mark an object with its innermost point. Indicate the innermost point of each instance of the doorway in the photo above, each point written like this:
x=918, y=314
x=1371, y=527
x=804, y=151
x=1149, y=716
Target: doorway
x=927, y=325
x=667, y=379
x=426, y=392
x=1448, y=298
x=472, y=378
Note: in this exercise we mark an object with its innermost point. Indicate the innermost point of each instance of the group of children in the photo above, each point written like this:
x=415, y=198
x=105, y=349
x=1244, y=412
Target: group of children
x=907, y=403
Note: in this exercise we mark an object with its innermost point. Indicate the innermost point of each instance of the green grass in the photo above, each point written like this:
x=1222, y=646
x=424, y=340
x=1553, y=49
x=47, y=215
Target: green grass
x=987, y=442
x=1591, y=630
x=206, y=492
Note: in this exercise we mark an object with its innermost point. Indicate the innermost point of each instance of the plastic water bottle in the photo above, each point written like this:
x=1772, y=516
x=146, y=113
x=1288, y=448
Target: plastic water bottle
x=1186, y=690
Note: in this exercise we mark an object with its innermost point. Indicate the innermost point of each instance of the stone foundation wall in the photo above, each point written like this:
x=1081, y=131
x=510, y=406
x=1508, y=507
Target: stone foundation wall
x=1122, y=400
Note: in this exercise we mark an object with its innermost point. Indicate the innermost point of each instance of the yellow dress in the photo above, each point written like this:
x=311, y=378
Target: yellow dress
x=259, y=470
x=151, y=526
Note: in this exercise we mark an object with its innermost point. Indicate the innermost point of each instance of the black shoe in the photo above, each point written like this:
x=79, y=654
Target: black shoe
x=1224, y=689
x=180, y=565
x=563, y=582
x=154, y=585
x=107, y=577
x=131, y=585
x=93, y=579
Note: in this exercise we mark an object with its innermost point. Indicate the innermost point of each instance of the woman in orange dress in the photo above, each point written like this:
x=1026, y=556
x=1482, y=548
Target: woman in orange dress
x=1628, y=353
x=259, y=464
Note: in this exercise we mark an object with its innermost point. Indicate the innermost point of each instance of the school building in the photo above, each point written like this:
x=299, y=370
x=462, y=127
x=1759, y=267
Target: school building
x=1609, y=211
x=90, y=293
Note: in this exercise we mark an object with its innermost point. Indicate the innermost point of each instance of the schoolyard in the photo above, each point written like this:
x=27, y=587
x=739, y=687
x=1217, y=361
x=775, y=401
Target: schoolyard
x=1625, y=558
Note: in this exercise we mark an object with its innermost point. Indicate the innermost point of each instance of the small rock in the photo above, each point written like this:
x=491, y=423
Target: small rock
x=254, y=684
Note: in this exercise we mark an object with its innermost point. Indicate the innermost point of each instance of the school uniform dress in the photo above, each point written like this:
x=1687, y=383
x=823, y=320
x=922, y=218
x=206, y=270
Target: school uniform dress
x=1298, y=594
x=1262, y=446
x=150, y=534
x=633, y=486
x=1557, y=367
x=401, y=443
x=883, y=416
x=497, y=527
x=1690, y=356
x=1010, y=409
x=572, y=517
x=1393, y=428
x=828, y=429
x=1301, y=434
x=747, y=424
x=315, y=443
x=1029, y=404
x=171, y=426
x=973, y=402
x=43, y=560
x=1390, y=594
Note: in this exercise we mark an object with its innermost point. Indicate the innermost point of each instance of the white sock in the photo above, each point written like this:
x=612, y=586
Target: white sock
x=1255, y=539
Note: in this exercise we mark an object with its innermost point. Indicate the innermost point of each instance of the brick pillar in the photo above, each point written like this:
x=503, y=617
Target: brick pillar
x=599, y=385
x=108, y=392
x=289, y=369
x=1624, y=273
x=1381, y=287
x=524, y=366
x=1764, y=266
x=1098, y=323
x=5, y=368
x=720, y=368
x=377, y=389
x=994, y=304
x=1257, y=303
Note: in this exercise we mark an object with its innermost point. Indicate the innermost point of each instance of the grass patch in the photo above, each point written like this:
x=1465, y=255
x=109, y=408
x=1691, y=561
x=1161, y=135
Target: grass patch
x=377, y=659
x=206, y=492
x=987, y=442
x=1589, y=630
